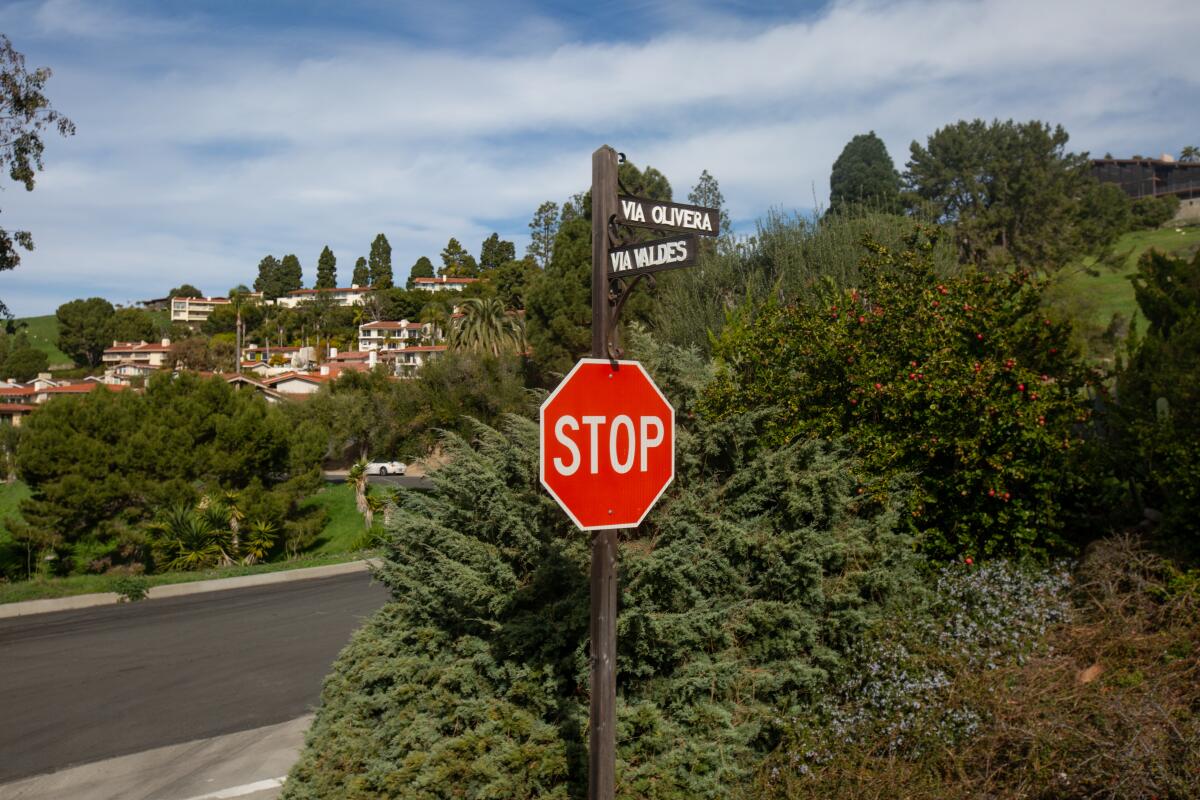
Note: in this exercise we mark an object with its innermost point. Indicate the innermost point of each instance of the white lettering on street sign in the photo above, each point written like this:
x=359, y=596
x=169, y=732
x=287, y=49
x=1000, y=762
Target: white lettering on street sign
x=645, y=213
x=653, y=256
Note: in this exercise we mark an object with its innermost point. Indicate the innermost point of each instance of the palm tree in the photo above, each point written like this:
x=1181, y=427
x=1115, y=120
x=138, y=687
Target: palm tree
x=357, y=478
x=437, y=315
x=486, y=327
x=1190, y=153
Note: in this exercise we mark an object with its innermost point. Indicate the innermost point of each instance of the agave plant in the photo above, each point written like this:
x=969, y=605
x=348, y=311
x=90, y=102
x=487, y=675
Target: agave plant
x=260, y=538
x=185, y=538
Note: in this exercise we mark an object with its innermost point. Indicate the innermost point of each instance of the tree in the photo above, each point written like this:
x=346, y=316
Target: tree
x=707, y=193
x=187, y=290
x=83, y=329
x=495, y=252
x=1012, y=191
x=959, y=386
x=357, y=477
x=513, y=281
x=291, y=275
x=486, y=327
x=326, y=270
x=423, y=268
x=1190, y=154
x=864, y=175
x=457, y=262
x=1158, y=394
x=132, y=325
x=25, y=113
x=19, y=360
x=542, y=230
x=269, y=278
x=379, y=264
x=192, y=353
x=362, y=274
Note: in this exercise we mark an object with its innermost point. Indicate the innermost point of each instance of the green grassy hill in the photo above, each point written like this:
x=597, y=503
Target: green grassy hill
x=1111, y=292
x=43, y=334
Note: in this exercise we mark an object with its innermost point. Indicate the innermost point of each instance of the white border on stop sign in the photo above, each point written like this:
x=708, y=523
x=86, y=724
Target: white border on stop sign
x=542, y=442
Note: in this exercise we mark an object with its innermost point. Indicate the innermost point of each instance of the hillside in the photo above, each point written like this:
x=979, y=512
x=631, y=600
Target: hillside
x=1111, y=292
x=43, y=334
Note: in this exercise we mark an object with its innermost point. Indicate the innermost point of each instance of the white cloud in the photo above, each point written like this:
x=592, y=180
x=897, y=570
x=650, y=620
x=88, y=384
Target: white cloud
x=197, y=154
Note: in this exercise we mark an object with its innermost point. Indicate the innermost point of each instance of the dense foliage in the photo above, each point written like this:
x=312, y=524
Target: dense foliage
x=25, y=114
x=864, y=176
x=103, y=467
x=740, y=599
x=1158, y=395
x=1014, y=194
x=19, y=359
x=958, y=382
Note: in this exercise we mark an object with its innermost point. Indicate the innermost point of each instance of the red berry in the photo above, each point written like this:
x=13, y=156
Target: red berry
x=1053, y=350
x=853, y=402
x=1007, y=497
x=979, y=336
x=879, y=386
x=969, y=561
x=991, y=492
x=936, y=304
x=1020, y=387
x=861, y=320
x=912, y=376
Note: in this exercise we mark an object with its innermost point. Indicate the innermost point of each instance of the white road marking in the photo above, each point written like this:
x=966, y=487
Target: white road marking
x=243, y=790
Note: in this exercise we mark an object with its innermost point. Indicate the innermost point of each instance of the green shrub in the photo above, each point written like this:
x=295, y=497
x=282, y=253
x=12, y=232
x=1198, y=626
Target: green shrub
x=1154, y=212
x=740, y=598
x=132, y=588
x=1158, y=415
x=958, y=382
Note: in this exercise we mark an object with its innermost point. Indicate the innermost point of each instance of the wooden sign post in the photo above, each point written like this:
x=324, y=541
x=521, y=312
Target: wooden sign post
x=616, y=268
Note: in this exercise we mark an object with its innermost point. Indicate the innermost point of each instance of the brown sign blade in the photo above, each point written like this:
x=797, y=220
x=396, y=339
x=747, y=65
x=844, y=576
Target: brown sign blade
x=653, y=256
x=643, y=213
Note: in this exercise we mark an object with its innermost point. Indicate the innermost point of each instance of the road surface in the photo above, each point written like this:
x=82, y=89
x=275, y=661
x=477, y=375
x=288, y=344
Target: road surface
x=80, y=686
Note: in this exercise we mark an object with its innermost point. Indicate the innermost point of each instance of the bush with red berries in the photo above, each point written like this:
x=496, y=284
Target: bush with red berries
x=957, y=387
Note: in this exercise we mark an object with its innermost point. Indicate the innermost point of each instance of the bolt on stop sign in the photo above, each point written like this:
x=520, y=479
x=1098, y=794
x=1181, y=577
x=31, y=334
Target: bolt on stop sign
x=607, y=444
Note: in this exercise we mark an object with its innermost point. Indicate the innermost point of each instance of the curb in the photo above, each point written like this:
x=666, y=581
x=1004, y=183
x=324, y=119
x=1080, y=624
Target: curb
x=78, y=601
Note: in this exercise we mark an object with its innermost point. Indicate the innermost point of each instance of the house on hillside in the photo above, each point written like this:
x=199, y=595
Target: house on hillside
x=195, y=310
x=296, y=383
x=386, y=335
x=1150, y=177
x=445, y=284
x=155, y=356
x=353, y=295
x=407, y=361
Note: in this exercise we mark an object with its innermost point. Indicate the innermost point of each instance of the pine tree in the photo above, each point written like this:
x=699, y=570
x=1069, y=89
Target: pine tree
x=326, y=270
x=423, y=268
x=542, y=230
x=380, y=263
x=457, y=262
x=707, y=193
x=496, y=252
x=362, y=274
x=864, y=175
x=267, y=282
x=291, y=275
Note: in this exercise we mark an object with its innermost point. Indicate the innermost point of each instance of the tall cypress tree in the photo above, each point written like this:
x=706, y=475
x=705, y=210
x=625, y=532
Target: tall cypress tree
x=362, y=274
x=864, y=174
x=423, y=268
x=380, y=263
x=267, y=281
x=326, y=270
x=291, y=276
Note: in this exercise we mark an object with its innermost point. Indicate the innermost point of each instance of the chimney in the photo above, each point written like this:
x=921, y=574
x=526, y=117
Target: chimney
x=373, y=357
x=166, y=342
x=333, y=352
x=324, y=369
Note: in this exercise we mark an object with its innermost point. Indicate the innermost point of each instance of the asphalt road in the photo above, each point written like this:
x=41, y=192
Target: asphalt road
x=403, y=481
x=79, y=686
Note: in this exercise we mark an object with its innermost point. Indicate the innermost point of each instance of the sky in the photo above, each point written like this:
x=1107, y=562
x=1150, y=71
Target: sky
x=211, y=134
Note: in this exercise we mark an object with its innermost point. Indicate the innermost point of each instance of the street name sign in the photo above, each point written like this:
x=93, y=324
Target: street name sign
x=653, y=256
x=642, y=212
x=607, y=446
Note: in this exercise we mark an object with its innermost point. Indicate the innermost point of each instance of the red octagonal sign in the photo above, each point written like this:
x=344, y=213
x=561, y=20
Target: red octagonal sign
x=607, y=444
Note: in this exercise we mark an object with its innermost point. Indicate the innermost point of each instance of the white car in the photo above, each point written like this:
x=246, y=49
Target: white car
x=386, y=468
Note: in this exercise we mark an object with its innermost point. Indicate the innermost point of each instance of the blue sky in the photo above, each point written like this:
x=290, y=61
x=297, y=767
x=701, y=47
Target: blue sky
x=213, y=133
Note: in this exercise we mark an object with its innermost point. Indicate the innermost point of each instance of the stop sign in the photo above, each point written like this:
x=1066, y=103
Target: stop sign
x=607, y=444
